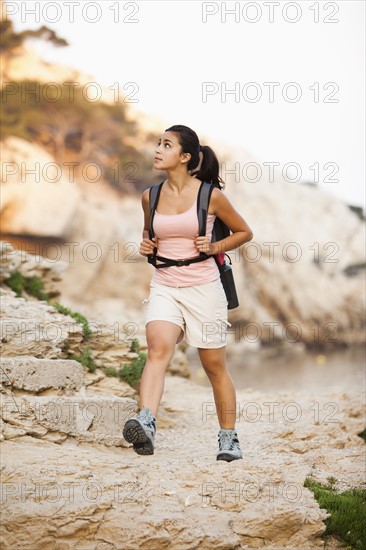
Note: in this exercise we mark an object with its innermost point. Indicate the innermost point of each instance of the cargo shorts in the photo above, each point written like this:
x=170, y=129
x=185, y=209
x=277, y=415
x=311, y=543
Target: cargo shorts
x=199, y=310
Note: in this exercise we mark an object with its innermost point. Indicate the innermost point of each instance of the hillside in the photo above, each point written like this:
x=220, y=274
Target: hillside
x=72, y=177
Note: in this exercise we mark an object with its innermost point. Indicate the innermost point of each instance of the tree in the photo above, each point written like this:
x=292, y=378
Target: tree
x=11, y=41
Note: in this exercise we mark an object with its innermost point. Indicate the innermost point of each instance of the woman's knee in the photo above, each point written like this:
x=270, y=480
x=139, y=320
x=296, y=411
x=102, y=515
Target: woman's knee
x=160, y=351
x=161, y=340
x=213, y=362
x=215, y=370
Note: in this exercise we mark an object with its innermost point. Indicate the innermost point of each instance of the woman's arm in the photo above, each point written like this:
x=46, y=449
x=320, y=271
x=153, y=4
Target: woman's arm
x=241, y=232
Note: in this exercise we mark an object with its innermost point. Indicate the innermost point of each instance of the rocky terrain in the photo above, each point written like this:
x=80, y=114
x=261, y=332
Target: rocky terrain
x=70, y=480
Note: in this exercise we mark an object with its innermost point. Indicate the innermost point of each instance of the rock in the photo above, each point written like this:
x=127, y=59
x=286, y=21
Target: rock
x=90, y=419
x=31, y=265
x=85, y=495
x=178, y=365
x=34, y=328
x=322, y=251
x=110, y=348
x=111, y=386
x=37, y=208
x=271, y=531
x=37, y=375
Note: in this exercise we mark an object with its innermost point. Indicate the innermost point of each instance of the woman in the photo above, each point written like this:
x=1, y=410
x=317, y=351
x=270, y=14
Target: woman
x=186, y=300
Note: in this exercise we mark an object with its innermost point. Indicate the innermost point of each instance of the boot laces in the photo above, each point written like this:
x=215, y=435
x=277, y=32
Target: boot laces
x=227, y=441
x=147, y=419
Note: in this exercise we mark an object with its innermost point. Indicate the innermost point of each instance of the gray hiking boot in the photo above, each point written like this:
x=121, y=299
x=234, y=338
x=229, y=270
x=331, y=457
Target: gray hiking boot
x=141, y=432
x=228, y=446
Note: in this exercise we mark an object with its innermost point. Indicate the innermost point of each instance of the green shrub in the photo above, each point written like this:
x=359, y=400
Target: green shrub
x=16, y=282
x=86, y=359
x=111, y=371
x=31, y=285
x=135, y=345
x=34, y=287
x=132, y=373
x=348, y=512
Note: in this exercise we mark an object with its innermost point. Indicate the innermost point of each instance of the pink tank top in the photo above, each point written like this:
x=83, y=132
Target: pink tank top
x=175, y=234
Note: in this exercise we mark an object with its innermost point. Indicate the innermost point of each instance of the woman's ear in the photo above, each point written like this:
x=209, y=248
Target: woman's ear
x=185, y=158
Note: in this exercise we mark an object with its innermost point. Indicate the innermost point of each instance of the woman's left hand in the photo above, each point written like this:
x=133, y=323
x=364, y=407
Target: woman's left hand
x=204, y=245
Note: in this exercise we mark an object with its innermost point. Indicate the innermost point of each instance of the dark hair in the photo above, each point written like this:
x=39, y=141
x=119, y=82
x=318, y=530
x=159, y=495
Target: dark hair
x=189, y=142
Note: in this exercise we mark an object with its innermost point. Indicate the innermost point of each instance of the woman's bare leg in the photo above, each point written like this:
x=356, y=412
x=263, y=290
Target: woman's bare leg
x=161, y=339
x=214, y=364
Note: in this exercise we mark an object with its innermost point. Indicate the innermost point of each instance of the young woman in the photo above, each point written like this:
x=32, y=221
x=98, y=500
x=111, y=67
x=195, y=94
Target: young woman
x=187, y=301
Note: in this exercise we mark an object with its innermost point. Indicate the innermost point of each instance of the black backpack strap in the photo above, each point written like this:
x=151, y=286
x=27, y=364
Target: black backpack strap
x=154, y=195
x=204, y=195
x=203, y=201
x=167, y=262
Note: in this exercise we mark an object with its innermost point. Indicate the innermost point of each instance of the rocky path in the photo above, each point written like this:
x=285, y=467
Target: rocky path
x=84, y=494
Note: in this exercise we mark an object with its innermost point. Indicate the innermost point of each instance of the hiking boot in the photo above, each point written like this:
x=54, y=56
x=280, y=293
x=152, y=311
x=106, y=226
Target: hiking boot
x=228, y=446
x=141, y=432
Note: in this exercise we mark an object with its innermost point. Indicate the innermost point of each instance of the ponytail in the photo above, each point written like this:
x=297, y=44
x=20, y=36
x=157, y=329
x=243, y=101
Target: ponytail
x=203, y=163
x=209, y=168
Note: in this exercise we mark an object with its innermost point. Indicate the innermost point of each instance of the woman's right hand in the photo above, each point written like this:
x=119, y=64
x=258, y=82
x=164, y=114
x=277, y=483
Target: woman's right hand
x=147, y=246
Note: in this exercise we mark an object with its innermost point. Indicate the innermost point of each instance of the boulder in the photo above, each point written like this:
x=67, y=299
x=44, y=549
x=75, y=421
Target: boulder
x=94, y=419
x=39, y=375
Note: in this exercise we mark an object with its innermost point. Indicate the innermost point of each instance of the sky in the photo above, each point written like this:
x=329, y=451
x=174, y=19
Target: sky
x=284, y=81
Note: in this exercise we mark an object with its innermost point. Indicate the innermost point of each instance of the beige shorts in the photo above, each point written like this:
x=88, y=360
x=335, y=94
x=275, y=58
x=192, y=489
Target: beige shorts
x=200, y=311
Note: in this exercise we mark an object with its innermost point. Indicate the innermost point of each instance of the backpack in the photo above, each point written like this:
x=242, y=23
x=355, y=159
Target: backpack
x=219, y=231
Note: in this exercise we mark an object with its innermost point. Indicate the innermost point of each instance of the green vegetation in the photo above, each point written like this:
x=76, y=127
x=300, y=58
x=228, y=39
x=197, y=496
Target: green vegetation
x=111, y=371
x=10, y=40
x=31, y=285
x=348, y=512
x=16, y=282
x=34, y=286
x=63, y=121
x=86, y=359
x=87, y=332
x=135, y=345
x=132, y=373
x=71, y=122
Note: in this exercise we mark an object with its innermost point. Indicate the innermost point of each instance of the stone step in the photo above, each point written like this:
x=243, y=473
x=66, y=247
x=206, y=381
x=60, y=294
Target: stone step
x=57, y=418
x=35, y=328
x=35, y=375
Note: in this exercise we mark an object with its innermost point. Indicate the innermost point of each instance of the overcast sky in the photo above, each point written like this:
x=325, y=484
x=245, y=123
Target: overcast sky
x=181, y=57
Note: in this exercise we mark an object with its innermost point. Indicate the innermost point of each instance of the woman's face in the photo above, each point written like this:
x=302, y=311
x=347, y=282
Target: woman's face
x=168, y=152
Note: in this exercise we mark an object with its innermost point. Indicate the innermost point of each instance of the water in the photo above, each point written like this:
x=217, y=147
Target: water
x=340, y=370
